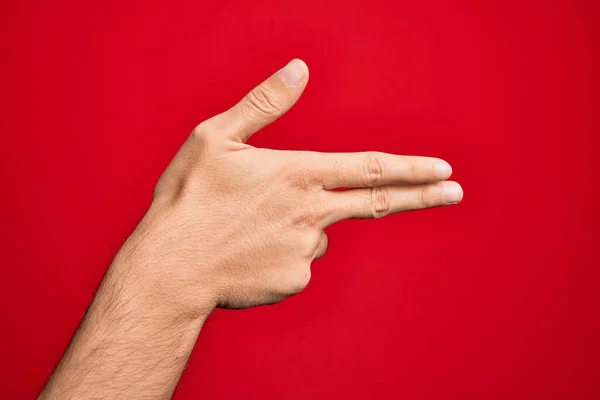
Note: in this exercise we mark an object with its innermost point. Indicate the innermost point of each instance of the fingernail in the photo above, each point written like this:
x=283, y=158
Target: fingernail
x=452, y=193
x=442, y=171
x=293, y=73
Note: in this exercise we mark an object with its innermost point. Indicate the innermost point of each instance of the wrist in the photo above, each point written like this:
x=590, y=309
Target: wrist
x=147, y=284
x=135, y=327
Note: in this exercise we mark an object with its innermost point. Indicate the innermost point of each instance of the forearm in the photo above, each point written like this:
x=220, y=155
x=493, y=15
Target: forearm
x=133, y=343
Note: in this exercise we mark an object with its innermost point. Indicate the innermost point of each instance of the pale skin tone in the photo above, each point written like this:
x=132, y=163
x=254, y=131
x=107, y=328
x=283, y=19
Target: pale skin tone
x=230, y=226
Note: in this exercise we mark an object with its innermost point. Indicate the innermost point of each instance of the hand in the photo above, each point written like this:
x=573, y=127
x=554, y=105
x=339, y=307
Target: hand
x=230, y=225
x=236, y=226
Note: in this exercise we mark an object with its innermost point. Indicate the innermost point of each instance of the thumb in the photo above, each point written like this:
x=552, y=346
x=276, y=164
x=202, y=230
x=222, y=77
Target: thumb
x=266, y=102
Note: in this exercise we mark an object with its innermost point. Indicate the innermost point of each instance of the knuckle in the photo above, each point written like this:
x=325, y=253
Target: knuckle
x=324, y=242
x=306, y=220
x=418, y=169
x=374, y=170
x=264, y=102
x=200, y=132
x=379, y=202
x=300, y=180
x=322, y=248
x=201, y=135
x=414, y=169
x=424, y=198
x=300, y=281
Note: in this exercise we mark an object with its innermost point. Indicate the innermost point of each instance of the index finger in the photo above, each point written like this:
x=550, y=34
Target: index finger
x=373, y=169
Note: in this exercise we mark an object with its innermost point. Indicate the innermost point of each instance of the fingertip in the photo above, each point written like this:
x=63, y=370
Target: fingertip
x=442, y=169
x=452, y=192
x=294, y=73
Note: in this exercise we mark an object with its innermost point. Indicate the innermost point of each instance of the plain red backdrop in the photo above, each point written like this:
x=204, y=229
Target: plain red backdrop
x=496, y=298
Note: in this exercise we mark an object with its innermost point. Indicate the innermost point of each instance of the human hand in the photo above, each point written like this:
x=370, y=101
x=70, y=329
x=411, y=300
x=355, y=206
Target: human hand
x=236, y=226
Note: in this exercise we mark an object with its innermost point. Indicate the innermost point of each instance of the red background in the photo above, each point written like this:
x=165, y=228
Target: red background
x=493, y=299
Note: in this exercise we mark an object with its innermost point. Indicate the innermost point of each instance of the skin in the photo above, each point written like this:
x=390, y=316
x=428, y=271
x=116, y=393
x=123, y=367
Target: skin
x=230, y=226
